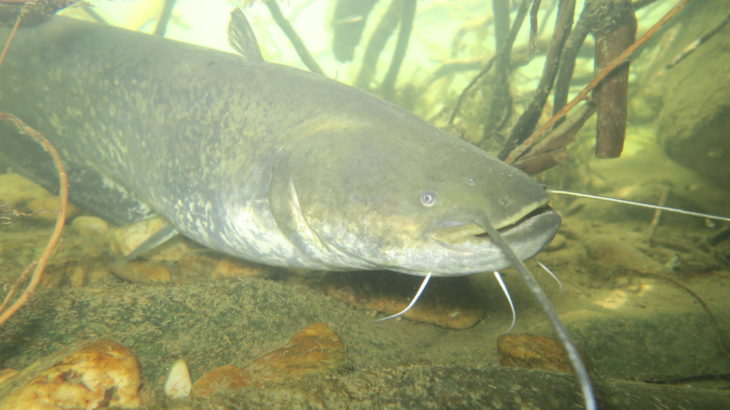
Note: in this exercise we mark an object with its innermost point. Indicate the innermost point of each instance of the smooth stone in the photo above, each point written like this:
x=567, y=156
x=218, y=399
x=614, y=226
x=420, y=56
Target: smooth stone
x=125, y=239
x=89, y=374
x=619, y=256
x=90, y=226
x=143, y=272
x=31, y=200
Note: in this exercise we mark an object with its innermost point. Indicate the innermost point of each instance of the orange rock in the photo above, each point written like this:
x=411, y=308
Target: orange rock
x=316, y=349
x=533, y=352
x=196, y=263
x=90, y=374
x=143, y=272
x=229, y=268
x=220, y=379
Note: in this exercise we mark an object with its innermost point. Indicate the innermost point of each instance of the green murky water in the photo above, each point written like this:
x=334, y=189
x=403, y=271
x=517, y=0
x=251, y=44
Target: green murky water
x=644, y=336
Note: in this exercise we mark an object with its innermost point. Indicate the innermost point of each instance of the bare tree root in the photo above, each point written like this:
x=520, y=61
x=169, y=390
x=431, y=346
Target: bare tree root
x=7, y=311
x=615, y=63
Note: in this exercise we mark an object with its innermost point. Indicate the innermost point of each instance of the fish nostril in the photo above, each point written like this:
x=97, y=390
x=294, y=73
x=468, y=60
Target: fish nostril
x=504, y=202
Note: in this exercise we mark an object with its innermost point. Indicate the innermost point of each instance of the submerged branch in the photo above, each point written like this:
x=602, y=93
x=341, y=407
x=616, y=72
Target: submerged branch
x=377, y=42
x=570, y=52
x=616, y=32
x=6, y=47
x=500, y=89
x=528, y=120
x=293, y=37
x=404, y=35
x=164, y=18
x=710, y=316
x=35, y=278
x=583, y=94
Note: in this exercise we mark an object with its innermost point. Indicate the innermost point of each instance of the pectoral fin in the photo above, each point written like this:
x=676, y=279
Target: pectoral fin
x=157, y=239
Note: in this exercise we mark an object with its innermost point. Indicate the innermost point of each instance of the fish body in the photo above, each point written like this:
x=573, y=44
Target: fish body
x=258, y=160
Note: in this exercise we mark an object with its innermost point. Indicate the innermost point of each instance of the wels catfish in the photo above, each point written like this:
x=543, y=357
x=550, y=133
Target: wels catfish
x=262, y=161
x=258, y=160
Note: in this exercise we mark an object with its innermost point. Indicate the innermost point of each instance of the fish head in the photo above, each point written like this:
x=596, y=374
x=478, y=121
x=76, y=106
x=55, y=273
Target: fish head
x=413, y=203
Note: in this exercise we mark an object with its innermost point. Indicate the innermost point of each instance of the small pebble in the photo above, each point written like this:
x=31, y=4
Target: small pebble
x=143, y=272
x=90, y=225
x=178, y=383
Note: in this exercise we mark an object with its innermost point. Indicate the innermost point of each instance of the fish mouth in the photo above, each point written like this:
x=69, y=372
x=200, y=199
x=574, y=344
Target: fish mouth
x=536, y=213
x=465, y=235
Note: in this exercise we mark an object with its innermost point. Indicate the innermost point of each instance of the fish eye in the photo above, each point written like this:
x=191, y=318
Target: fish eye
x=428, y=198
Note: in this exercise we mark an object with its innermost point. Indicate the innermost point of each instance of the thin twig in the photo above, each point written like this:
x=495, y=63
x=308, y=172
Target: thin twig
x=622, y=58
x=533, y=26
x=60, y=219
x=12, y=33
x=570, y=52
x=465, y=91
x=507, y=48
x=16, y=285
x=710, y=316
x=657, y=213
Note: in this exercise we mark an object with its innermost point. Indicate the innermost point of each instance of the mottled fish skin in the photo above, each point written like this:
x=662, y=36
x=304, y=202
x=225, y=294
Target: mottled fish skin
x=258, y=160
